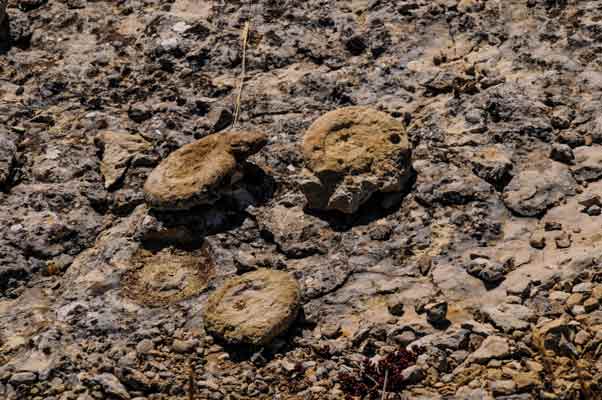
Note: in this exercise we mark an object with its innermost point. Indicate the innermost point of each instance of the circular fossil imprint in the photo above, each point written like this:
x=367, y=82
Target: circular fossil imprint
x=167, y=276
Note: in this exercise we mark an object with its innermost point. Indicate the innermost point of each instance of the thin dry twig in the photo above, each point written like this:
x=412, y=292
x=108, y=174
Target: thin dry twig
x=244, y=39
x=384, y=395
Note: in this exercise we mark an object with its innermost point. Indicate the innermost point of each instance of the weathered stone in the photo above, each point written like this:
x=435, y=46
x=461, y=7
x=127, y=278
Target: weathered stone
x=503, y=387
x=443, y=184
x=493, y=164
x=23, y=377
x=112, y=386
x=436, y=312
x=253, y=308
x=563, y=241
x=194, y=174
x=562, y=153
x=538, y=240
x=118, y=148
x=350, y=154
x=8, y=149
x=550, y=334
x=395, y=306
x=510, y=317
x=531, y=192
x=492, y=348
x=584, y=287
x=590, y=305
x=588, y=163
x=296, y=233
x=526, y=381
x=488, y=271
x=145, y=346
x=413, y=374
x=183, y=346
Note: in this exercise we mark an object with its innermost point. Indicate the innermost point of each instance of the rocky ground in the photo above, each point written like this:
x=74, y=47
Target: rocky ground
x=480, y=279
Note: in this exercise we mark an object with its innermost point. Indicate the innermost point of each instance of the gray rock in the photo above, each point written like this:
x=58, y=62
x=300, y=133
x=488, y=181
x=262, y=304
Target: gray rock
x=436, y=313
x=23, y=377
x=447, y=184
x=487, y=270
x=112, y=386
x=588, y=163
x=584, y=287
x=492, y=163
x=503, y=387
x=413, y=374
x=538, y=240
x=145, y=346
x=510, y=317
x=296, y=233
x=562, y=153
x=118, y=150
x=533, y=191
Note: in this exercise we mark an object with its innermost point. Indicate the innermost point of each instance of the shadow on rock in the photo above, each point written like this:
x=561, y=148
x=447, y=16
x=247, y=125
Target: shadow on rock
x=380, y=205
x=187, y=228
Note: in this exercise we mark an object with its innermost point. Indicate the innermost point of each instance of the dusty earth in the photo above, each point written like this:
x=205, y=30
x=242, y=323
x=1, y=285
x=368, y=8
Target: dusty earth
x=486, y=268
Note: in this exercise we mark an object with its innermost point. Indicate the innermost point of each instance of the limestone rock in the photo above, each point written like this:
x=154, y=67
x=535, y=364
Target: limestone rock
x=533, y=191
x=193, y=174
x=488, y=271
x=493, y=164
x=562, y=153
x=111, y=385
x=509, y=317
x=588, y=163
x=436, y=312
x=253, y=308
x=296, y=233
x=493, y=347
x=118, y=149
x=444, y=184
x=350, y=154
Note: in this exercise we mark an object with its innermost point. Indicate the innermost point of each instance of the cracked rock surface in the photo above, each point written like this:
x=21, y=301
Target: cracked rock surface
x=485, y=263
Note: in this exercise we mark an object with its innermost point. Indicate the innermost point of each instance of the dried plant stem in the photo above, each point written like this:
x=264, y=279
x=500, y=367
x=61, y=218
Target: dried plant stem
x=244, y=39
x=384, y=395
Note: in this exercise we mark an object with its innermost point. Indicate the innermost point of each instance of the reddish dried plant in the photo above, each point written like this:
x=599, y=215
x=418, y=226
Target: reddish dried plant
x=369, y=380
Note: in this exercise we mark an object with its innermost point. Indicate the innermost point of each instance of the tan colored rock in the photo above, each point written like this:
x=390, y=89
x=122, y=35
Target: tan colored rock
x=253, y=308
x=492, y=348
x=193, y=174
x=350, y=154
x=117, y=151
